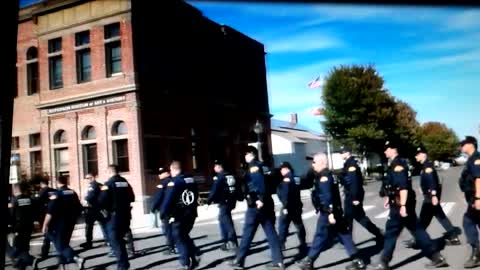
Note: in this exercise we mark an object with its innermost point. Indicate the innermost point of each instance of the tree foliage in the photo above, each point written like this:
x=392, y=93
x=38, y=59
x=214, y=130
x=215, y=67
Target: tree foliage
x=360, y=112
x=440, y=141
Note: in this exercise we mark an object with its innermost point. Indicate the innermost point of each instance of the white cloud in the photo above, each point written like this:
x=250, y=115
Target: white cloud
x=465, y=41
x=302, y=42
x=465, y=20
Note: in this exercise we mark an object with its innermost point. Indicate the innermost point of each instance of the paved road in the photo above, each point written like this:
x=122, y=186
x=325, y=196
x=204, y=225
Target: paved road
x=206, y=235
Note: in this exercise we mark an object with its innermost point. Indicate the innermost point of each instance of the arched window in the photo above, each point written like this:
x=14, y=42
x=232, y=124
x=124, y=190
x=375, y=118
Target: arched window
x=89, y=133
x=32, y=71
x=119, y=128
x=32, y=53
x=60, y=137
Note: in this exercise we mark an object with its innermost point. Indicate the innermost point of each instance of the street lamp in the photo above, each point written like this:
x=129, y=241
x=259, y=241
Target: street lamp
x=258, y=129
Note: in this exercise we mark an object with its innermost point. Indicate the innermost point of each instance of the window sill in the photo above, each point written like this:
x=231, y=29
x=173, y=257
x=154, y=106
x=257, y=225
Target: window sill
x=56, y=88
x=118, y=74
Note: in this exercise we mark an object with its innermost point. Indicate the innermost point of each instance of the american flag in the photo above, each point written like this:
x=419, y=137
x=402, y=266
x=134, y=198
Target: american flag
x=315, y=83
x=317, y=111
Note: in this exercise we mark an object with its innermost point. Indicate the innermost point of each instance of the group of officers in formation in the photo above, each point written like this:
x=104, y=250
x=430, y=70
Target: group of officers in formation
x=177, y=199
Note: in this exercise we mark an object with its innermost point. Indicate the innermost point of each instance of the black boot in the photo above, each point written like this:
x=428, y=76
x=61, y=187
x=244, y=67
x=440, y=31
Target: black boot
x=381, y=265
x=236, y=265
x=437, y=261
x=223, y=247
x=232, y=246
x=305, y=264
x=86, y=245
x=410, y=243
x=80, y=262
x=357, y=264
x=474, y=259
x=451, y=238
x=275, y=266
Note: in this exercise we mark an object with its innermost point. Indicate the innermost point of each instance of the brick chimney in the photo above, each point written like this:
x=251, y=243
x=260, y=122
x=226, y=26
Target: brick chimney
x=293, y=118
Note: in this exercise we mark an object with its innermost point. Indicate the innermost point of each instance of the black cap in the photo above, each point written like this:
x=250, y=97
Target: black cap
x=469, y=139
x=345, y=149
x=162, y=170
x=390, y=144
x=252, y=150
x=421, y=149
x=218, y=162
x=286, y=164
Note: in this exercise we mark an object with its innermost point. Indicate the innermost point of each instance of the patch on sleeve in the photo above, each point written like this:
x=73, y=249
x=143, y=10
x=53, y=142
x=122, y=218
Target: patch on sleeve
x=398, y=168
x=121, y=184
x=254, y=169
x=477, y=162
x=189, y=180
x=90, y=188
x=105, y=187
x=215, y=178
x=324, y=179
x=52, y=197
x=160, y=186
x=286, y=179
x=352, y=169
x=171, y=184
x=428, y=170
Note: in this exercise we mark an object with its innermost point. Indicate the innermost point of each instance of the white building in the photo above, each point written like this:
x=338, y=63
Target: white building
x=297, y=144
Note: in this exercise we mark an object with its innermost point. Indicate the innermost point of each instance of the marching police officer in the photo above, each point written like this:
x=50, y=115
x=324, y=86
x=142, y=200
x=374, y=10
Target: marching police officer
x=164, y=176
x=22, y=208
x=289, y=195
x=64, y=208
x=92, y=211
x=432, y=191
x=42, y=203
x=331, y=223
x=470, y=185
x=352, y=180
x=399, y=196
x=180, y=207
x=223, y=192
x=115, y=200
x=260, y=211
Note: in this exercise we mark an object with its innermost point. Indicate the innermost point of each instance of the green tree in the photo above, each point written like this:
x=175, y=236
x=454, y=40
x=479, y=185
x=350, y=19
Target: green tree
x=406, y=128
x=440, y=141
x=358, y=110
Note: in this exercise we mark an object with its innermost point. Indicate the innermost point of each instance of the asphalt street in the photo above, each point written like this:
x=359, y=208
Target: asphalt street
x=150, y=243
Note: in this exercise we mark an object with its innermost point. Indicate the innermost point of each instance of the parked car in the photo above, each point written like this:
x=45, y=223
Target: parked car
x=461, y=160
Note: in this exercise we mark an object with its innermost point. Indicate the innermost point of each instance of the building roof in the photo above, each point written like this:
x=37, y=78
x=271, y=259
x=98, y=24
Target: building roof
x=296, y=132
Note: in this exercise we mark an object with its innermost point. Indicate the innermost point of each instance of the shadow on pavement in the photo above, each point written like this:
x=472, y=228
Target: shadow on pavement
x=439, y=245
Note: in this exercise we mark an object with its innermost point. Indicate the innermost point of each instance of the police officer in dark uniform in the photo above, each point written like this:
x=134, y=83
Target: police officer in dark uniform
x=92, y=211
x=180, y=207
x=223, y=193
x=42, y=202
x=470, y=185
x=22, y=210
x=260, y=211
x=289, y=195
x=352, y=181
x=115, y=200
x=63, y=211
x=331, y=223
x=400, y=198
x=164, y=176
x=432, y=191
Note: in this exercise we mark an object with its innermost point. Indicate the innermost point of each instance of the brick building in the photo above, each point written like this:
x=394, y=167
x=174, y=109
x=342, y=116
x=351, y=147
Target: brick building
x=103, y=82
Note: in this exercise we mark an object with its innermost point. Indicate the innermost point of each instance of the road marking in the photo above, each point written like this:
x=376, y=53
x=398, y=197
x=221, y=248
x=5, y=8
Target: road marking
x=383, y=215
x=234, y=217
x=447, y=207
x=309, y=214
x=368, y=207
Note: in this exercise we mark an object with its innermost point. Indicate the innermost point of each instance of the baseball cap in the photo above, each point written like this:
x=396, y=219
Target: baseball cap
x=345, y=149
x=469, y=139
x=286, y=164
x=390, y=144
x=420, y=149
x=252, y=150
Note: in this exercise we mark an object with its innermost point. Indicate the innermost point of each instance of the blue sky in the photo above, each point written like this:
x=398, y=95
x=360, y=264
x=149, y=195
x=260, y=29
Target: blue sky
x=428, y=56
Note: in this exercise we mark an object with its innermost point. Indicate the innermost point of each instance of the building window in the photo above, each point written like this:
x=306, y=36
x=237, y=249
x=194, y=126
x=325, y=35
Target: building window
x=35, y=140
x=55, y=45
x=84, y=66
x=62, y=159
x=120, y=154
x=15, y=143
x=90, y=159
x=60, y=137
x=15, y=159
x=82, y=38
x=55, y=63
x=89, y=133
x=36, y=162
x=112, y=30
x=32, y=71
x=113, y=52
x=119, y=128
